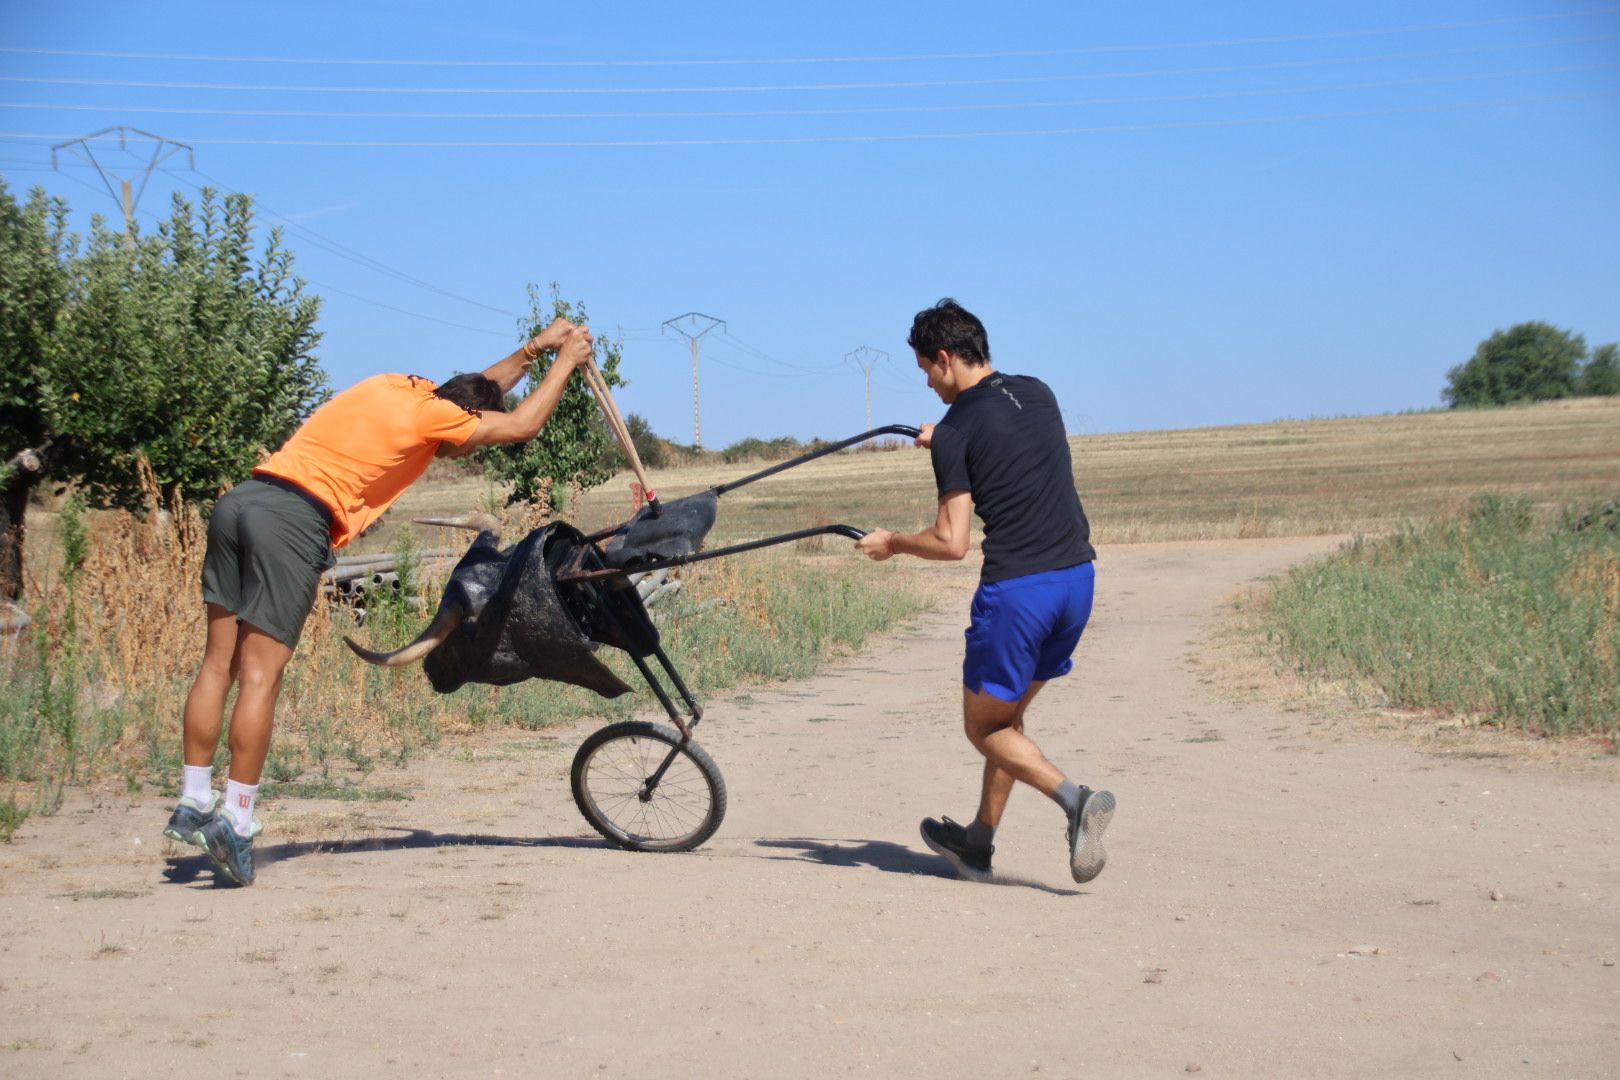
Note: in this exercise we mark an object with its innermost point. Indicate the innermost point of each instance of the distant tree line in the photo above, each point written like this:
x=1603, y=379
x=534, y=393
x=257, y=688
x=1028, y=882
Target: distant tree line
x=1533, y=361
x=657, y=452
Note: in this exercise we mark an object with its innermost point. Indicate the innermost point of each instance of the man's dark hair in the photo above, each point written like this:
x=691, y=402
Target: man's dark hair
x=474, y=393
x=951, y=327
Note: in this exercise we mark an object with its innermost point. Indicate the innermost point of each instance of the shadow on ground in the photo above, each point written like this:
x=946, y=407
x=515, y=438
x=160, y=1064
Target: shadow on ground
x=189, y=869
x=889, y=857
x=878, y=854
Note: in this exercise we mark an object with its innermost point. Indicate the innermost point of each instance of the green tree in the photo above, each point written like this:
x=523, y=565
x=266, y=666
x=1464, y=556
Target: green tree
x=573, y=447
x=183, y=349
x=33, y=281
x=1601, y=375
x=653, y=450
x=1532, y=361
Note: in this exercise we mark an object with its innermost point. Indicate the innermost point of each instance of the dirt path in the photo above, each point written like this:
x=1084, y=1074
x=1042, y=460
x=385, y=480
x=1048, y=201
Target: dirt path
x=1276, y=903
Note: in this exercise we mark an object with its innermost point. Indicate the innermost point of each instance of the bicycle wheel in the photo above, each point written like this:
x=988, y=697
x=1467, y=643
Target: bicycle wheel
x=614, y=787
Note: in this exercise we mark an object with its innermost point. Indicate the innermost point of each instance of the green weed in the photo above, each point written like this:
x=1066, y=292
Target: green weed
x=1489, y=615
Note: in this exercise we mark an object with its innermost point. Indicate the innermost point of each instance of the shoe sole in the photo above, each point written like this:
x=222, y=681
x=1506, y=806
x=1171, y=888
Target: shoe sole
x=1086, y=854
x=222, y=863
x=180, y=838
x=962, y=868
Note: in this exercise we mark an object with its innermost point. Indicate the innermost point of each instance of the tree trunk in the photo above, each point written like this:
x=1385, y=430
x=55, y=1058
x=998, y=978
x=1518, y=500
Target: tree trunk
x=21, y=475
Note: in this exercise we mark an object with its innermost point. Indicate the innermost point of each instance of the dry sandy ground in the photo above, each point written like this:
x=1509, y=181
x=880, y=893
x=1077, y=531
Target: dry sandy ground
x=1277, y=902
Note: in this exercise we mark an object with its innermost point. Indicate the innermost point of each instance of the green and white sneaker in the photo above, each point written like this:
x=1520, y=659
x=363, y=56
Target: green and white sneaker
x=231, y=851
x=188, y=818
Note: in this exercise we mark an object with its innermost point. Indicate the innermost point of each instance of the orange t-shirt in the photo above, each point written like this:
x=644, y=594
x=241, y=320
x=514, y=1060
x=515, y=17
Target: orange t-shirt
x=361, y=450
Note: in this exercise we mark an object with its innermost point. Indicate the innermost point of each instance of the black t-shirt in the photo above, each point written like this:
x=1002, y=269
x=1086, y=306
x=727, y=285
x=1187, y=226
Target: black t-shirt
x=1003, y=441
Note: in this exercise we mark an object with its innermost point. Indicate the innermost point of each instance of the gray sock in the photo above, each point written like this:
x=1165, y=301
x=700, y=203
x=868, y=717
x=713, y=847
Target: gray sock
x=978, y=834
x=1068, y=797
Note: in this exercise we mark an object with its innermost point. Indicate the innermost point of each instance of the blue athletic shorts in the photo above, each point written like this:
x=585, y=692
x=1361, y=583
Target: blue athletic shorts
x=1024, y=630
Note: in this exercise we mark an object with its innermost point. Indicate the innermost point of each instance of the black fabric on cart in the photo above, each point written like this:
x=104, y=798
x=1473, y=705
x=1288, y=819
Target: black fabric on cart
x=679, y=530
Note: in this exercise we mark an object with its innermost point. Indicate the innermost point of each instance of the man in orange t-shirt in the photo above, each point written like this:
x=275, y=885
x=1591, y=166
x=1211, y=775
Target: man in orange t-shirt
x=271, y=537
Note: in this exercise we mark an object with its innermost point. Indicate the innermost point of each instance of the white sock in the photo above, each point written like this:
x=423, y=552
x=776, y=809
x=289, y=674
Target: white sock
x=197, y=784
x=239, y=800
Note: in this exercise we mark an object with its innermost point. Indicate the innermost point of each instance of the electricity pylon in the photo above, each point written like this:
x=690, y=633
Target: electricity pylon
x=692, y=319
x=126, y=197
x=867, y=358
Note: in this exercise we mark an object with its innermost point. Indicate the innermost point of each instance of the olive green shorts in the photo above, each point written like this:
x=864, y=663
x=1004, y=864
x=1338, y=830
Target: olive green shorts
x=267, y=548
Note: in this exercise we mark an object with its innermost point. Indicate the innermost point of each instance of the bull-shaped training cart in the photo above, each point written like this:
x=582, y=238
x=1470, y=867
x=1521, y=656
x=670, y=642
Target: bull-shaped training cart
x=541, y=608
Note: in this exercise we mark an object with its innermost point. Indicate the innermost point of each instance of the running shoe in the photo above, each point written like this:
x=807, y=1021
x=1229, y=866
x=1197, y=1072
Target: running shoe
x=1086, y=854
x=188, y=818
x=950, y=840
x=231, y=851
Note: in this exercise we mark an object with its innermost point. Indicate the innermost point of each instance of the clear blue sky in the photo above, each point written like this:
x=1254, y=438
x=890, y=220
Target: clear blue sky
x=1178, y=214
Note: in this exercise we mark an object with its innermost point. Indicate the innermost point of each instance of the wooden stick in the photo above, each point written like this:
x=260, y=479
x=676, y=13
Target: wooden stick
x=616, y=424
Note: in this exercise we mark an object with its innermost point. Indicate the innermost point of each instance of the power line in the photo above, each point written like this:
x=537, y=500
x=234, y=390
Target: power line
x=857, y=110
x=326, y=287
x=407, y=311
x=343, y=251
x=944, y=136
x=1021, y=54
x=734, y=366
x=911, y=84
x=760, y=354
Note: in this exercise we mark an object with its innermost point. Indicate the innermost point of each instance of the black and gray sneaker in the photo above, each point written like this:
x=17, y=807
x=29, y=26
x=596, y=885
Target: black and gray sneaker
x=231, y=851
x=950, y=840
x=1086, y=854
x=188, y=819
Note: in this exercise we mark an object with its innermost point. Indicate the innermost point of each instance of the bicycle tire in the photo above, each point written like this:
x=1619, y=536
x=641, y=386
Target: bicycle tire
x=609, y=781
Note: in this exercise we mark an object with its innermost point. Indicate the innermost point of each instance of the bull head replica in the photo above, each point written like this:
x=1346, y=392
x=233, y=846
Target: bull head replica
x=502, y=617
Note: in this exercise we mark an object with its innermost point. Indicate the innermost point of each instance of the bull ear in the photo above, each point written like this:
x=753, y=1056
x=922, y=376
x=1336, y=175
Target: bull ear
x=477, y=521
x=438, y=632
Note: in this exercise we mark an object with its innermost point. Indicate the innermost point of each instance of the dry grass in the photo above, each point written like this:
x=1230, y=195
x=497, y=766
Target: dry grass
x=1289, y=478
x=97, y=685
x=140, y=624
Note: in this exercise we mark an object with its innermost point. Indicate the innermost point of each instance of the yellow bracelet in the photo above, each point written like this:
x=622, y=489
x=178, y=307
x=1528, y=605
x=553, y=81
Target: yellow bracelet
x=530, y=350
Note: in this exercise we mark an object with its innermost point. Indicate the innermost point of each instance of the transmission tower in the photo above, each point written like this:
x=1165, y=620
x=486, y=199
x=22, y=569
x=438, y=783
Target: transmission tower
x=127, y=197
x=867, y=358
x=686, y=326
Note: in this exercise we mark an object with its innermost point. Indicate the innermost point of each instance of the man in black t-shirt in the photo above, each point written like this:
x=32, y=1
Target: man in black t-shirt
x=1000, y=451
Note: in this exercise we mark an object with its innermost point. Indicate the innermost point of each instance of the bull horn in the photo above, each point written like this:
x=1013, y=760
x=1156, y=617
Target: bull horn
x=477, y=521
x=439, y=630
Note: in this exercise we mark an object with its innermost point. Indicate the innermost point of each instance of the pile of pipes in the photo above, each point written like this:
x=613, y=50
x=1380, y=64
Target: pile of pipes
x=357, y=574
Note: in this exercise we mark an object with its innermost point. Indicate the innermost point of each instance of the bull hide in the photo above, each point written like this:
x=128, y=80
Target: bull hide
x=516, y=625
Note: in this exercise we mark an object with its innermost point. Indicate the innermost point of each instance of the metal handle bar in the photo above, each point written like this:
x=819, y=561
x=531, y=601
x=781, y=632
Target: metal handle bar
x=720, y=489
x=849, y=531
x=891, y=429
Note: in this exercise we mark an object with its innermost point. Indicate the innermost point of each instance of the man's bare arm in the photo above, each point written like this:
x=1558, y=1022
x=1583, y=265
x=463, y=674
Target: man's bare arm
x=524, y=422
x=945, y=541
x=509, y=372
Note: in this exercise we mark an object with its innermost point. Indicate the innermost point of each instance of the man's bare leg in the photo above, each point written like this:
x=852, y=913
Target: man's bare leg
x=998, y=783
x=228, y=836
x=204, y=717
x=205, y=704
x=995, y=728
x=261, y=660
